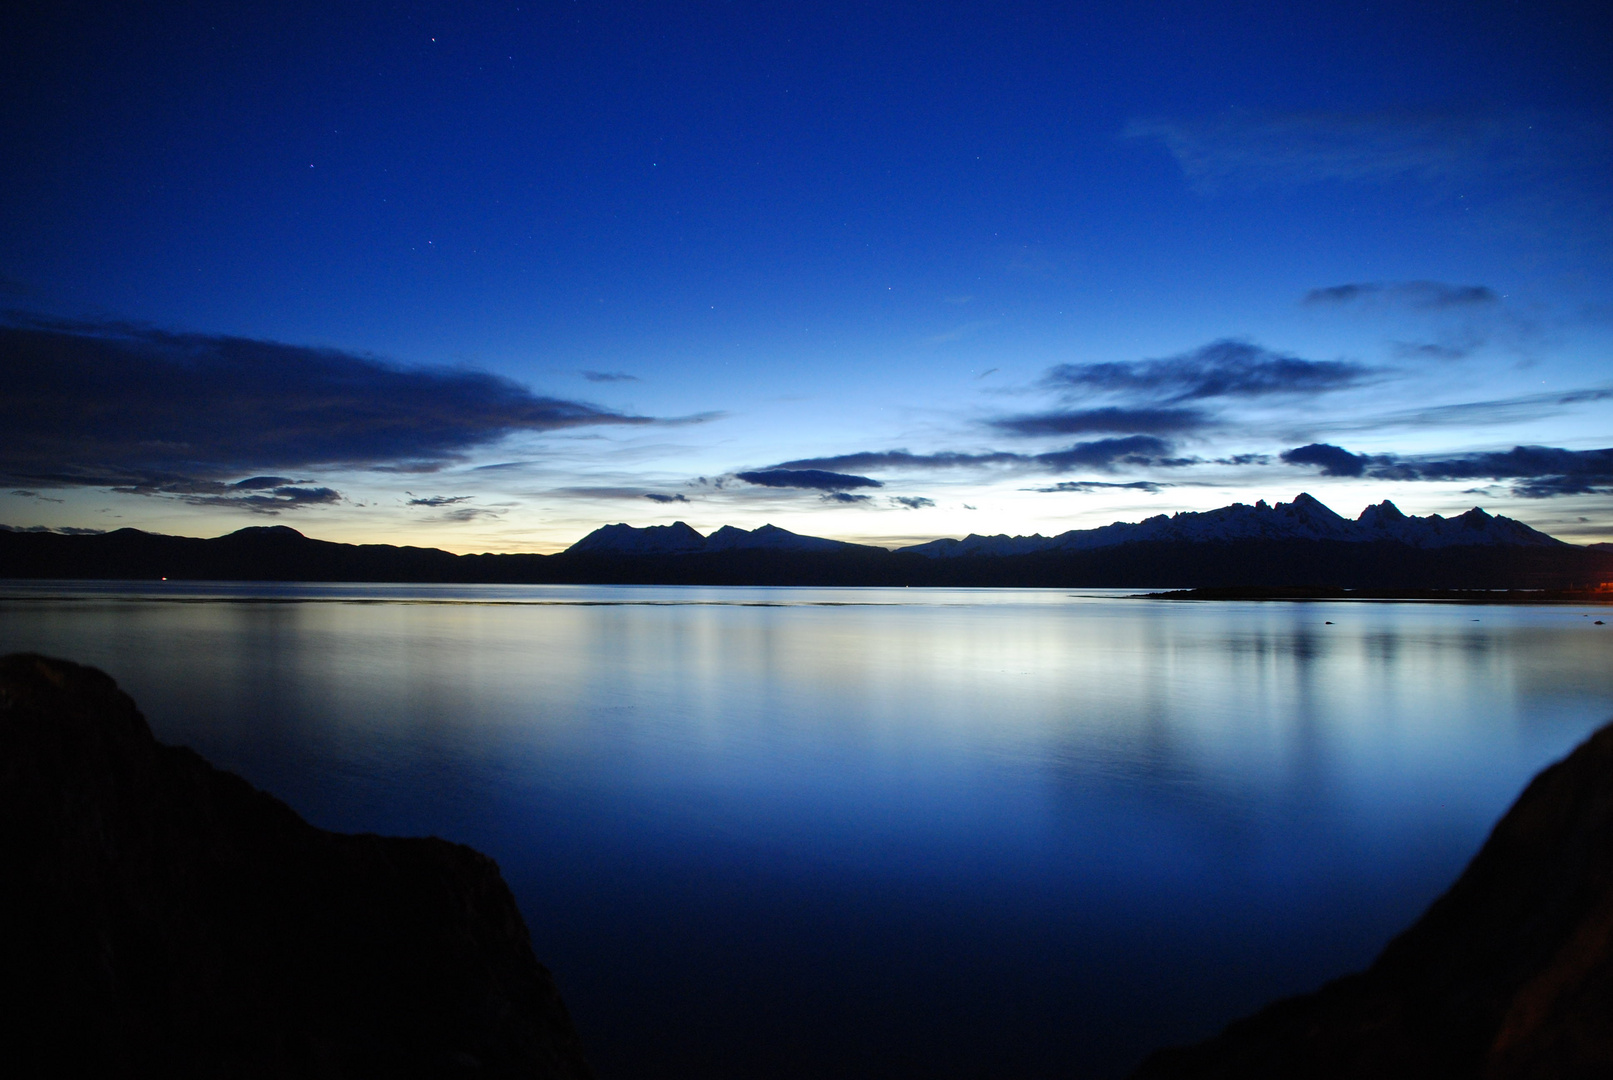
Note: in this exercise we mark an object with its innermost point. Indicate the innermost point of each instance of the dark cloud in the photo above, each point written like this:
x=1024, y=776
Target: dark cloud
x=1221, y=369
x=143, y=410
x=810, y=479
x=901, y=459
x=1110, y=419
x=467, y=513
x=63, y=530
x=1097, y=453
x=1109, y=453
x=34, y=495
x=1245, y=459
x=250, y=494
x=1424, y=295
x=272, y=501
x=438, y=500
x=1099, y=485
x=912, y=502
x=845, y=497
x=1536, y=472
x=1333, y=460
x=609, y=376
x=655, y=496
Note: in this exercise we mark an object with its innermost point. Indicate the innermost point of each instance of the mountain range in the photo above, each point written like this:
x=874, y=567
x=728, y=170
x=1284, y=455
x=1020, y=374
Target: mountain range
x=681, y=539
x=1306, y=518
x=1296, y=544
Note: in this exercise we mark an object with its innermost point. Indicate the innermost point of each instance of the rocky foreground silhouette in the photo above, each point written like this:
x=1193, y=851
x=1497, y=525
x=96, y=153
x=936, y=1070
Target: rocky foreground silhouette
x=164, y=918
x=1508, y=976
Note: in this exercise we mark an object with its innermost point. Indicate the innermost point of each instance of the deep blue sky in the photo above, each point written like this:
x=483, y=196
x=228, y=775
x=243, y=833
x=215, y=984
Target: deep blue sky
x=486, y=276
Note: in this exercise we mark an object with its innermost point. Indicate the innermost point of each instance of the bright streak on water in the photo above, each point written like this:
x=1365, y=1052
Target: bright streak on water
x=878, y=832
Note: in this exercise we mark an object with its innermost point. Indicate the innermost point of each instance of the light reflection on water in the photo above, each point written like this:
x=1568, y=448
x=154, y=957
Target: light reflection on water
x=797, y=832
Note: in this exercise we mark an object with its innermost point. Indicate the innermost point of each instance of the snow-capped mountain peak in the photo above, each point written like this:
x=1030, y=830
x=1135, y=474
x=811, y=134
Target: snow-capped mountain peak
x=1306, y=518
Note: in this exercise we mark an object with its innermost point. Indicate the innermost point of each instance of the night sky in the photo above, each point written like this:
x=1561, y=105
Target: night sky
x=487, y=276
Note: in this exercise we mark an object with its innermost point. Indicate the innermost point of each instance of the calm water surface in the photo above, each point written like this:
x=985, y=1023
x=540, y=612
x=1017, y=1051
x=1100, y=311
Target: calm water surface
x=871, y=832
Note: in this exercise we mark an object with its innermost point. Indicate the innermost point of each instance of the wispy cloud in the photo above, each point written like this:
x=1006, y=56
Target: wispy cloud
x=1510, y=410
x=61, y=530
x=1436, y=350
x=845, y=498
x=1536, y=472
x=437, y=500
x=1095, y=453
x=160, y=413
x=1421, y=295
x=258, y=494
x=1115, y=419
x=961, y=331
x=1250, y=151
x=1109, y=453
x=656, y=496
x=609, y=376
x=902, y=459
x=911, y=502
x=1168, y=395
x=462, y=514
x=1222, y=369
x=1085, y=486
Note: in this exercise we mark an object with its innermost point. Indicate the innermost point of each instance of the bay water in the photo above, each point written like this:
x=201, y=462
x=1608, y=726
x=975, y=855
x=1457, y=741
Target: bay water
x=775, y=832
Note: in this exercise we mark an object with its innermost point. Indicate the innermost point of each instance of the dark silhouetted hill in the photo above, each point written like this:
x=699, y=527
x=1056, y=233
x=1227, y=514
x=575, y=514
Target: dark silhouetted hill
x=1508, y=976
x=164, y=918
x=1298, y=544
x=1303, y=519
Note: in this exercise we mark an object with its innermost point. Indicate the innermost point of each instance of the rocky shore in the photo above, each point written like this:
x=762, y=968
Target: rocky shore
x=1508, y=976
x=164, y=918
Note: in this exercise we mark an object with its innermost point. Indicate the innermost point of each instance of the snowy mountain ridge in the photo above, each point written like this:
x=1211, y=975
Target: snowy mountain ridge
x=1306, y=518
x=1303, y=519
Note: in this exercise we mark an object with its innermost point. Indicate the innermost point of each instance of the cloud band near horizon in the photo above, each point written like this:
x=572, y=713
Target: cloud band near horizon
x=1536, y=472
x=152, y=412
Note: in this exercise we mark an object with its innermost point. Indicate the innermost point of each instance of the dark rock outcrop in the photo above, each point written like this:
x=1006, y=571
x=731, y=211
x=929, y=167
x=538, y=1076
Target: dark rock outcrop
x=1508, y=976
x=164, y=918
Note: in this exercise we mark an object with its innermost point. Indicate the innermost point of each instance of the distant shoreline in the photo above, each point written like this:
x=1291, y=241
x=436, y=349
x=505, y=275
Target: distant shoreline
x=1248, y=567
x=1459, y=596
